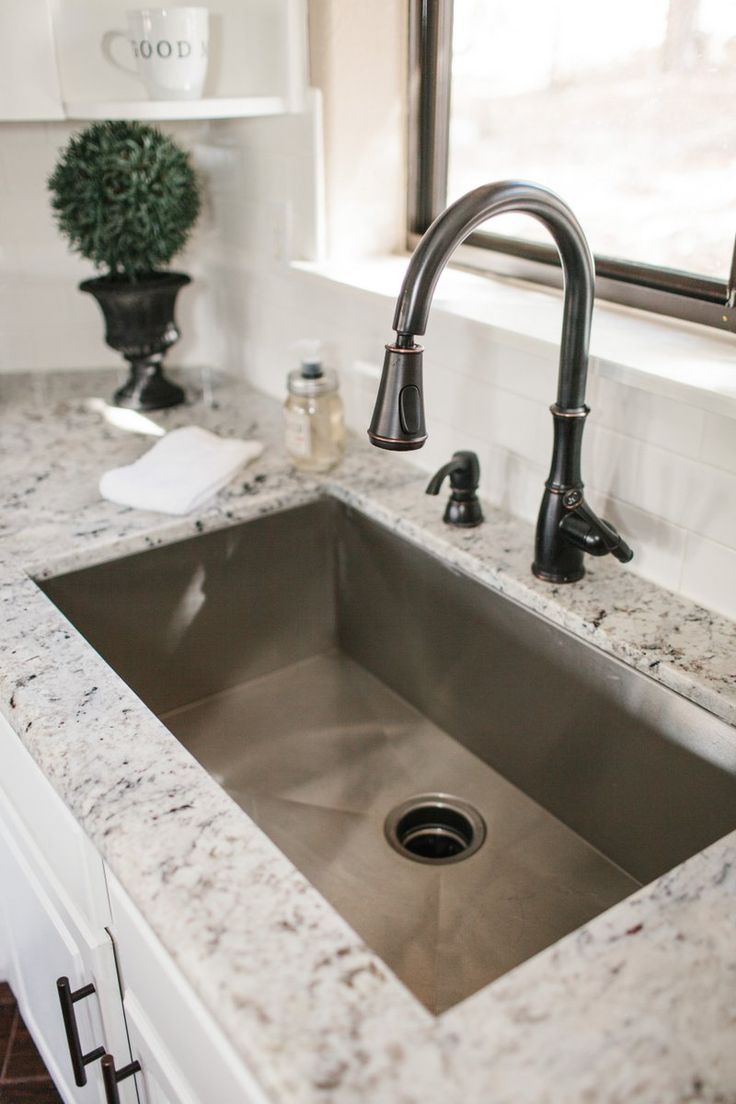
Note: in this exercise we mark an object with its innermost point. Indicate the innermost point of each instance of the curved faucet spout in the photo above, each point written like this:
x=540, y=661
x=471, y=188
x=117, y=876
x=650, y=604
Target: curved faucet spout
x=566, y=527
x=464, y=216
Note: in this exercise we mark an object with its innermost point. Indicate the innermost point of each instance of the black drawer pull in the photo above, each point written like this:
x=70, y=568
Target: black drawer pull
x=111, y=1077
x=67, y=1000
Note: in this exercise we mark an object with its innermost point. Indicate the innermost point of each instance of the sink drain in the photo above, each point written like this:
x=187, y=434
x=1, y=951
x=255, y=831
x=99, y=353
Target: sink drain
x=435, y=828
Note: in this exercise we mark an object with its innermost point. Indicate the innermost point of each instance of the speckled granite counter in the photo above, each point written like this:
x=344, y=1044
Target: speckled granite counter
x=639, y=1005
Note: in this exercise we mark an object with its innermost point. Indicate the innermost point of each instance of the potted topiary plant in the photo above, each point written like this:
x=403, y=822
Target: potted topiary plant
x=126, y=197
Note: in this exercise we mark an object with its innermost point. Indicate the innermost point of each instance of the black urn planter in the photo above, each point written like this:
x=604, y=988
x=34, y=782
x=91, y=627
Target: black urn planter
x=139, y=323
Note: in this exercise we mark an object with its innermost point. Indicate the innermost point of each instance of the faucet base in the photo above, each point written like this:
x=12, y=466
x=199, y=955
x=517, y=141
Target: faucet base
x=551, y=577
x=556, y=559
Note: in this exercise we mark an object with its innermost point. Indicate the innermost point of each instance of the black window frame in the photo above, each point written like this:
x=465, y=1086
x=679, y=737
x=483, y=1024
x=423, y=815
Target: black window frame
x=681, y=295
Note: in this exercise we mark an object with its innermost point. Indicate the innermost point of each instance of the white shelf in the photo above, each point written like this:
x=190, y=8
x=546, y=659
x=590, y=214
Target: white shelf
x=212, y=108
x=52, y=65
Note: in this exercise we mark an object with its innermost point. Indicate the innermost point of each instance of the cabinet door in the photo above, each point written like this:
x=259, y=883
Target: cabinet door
x=160, y=1080
x=42, y=949
x=184, y=1056
x=46, y=941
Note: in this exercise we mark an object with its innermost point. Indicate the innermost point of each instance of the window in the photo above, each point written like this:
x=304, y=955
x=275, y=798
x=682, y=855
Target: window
x=621, y=106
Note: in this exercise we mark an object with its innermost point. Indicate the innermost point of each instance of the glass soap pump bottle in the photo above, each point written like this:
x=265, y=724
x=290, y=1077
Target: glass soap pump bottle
x=313, y=412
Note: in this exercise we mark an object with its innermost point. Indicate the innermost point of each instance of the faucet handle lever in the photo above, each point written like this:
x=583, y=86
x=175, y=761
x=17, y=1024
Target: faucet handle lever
x=463, y=508
x=586, y=530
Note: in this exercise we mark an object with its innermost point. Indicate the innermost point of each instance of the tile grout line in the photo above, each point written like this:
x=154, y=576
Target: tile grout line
x=36, y=1079
x=11, y=1040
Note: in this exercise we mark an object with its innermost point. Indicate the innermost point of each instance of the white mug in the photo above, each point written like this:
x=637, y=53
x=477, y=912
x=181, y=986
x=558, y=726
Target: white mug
x=169, y=47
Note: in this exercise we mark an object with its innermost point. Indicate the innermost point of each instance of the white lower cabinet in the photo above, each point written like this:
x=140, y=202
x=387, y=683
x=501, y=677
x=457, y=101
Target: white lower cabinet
x=48, y=940
x=160, y=1080
x=184, y=1057
x=63, y=915
x=42, y=949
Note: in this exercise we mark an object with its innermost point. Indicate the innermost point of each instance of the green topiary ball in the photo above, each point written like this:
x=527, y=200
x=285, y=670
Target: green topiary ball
x=125, y=196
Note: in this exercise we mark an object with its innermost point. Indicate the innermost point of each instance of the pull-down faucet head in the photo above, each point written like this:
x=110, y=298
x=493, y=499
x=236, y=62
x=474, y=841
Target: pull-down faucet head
x=398, y=417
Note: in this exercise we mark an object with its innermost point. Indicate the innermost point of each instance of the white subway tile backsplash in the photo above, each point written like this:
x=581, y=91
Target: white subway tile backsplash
x=359, y=385
x=637, y=473
x=672, y=425
x=675, y=488
x=81, y=348
x=709, y=574
x=479, y=409
x=28, y=154
x=659, y=546
x=513, y=483
x=719, y=442
x=463, y=346
x=442, y=441
x=17, y=351
x=710, y=509
x=26, y=220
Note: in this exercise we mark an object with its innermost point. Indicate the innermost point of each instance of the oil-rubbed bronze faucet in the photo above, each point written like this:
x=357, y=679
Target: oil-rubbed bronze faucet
x=566, y=526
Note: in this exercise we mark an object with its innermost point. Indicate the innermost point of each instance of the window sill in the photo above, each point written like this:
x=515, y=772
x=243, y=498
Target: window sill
x=680, y=360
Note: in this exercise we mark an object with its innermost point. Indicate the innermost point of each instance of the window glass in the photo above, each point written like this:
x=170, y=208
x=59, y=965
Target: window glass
x=623, y=107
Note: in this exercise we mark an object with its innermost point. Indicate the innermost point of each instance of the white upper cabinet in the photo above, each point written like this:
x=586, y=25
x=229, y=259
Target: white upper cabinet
x=63, y=59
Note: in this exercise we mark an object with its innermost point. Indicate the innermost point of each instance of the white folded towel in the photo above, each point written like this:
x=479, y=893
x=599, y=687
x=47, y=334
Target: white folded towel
x=180, y=473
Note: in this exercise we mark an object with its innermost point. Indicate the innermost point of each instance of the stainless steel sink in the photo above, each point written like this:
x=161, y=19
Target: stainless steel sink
x=326, y=672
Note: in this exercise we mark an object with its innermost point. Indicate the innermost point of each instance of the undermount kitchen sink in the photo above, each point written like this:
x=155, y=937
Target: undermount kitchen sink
x=463, y=780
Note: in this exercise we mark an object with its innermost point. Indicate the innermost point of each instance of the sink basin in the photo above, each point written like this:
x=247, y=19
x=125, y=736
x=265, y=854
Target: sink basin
x=463, y=780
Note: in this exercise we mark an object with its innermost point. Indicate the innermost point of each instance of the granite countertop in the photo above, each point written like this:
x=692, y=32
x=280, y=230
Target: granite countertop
x=638, y=1005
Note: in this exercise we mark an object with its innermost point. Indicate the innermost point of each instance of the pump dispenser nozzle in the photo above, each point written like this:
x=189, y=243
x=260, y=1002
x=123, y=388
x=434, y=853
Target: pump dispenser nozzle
x=310, y=357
